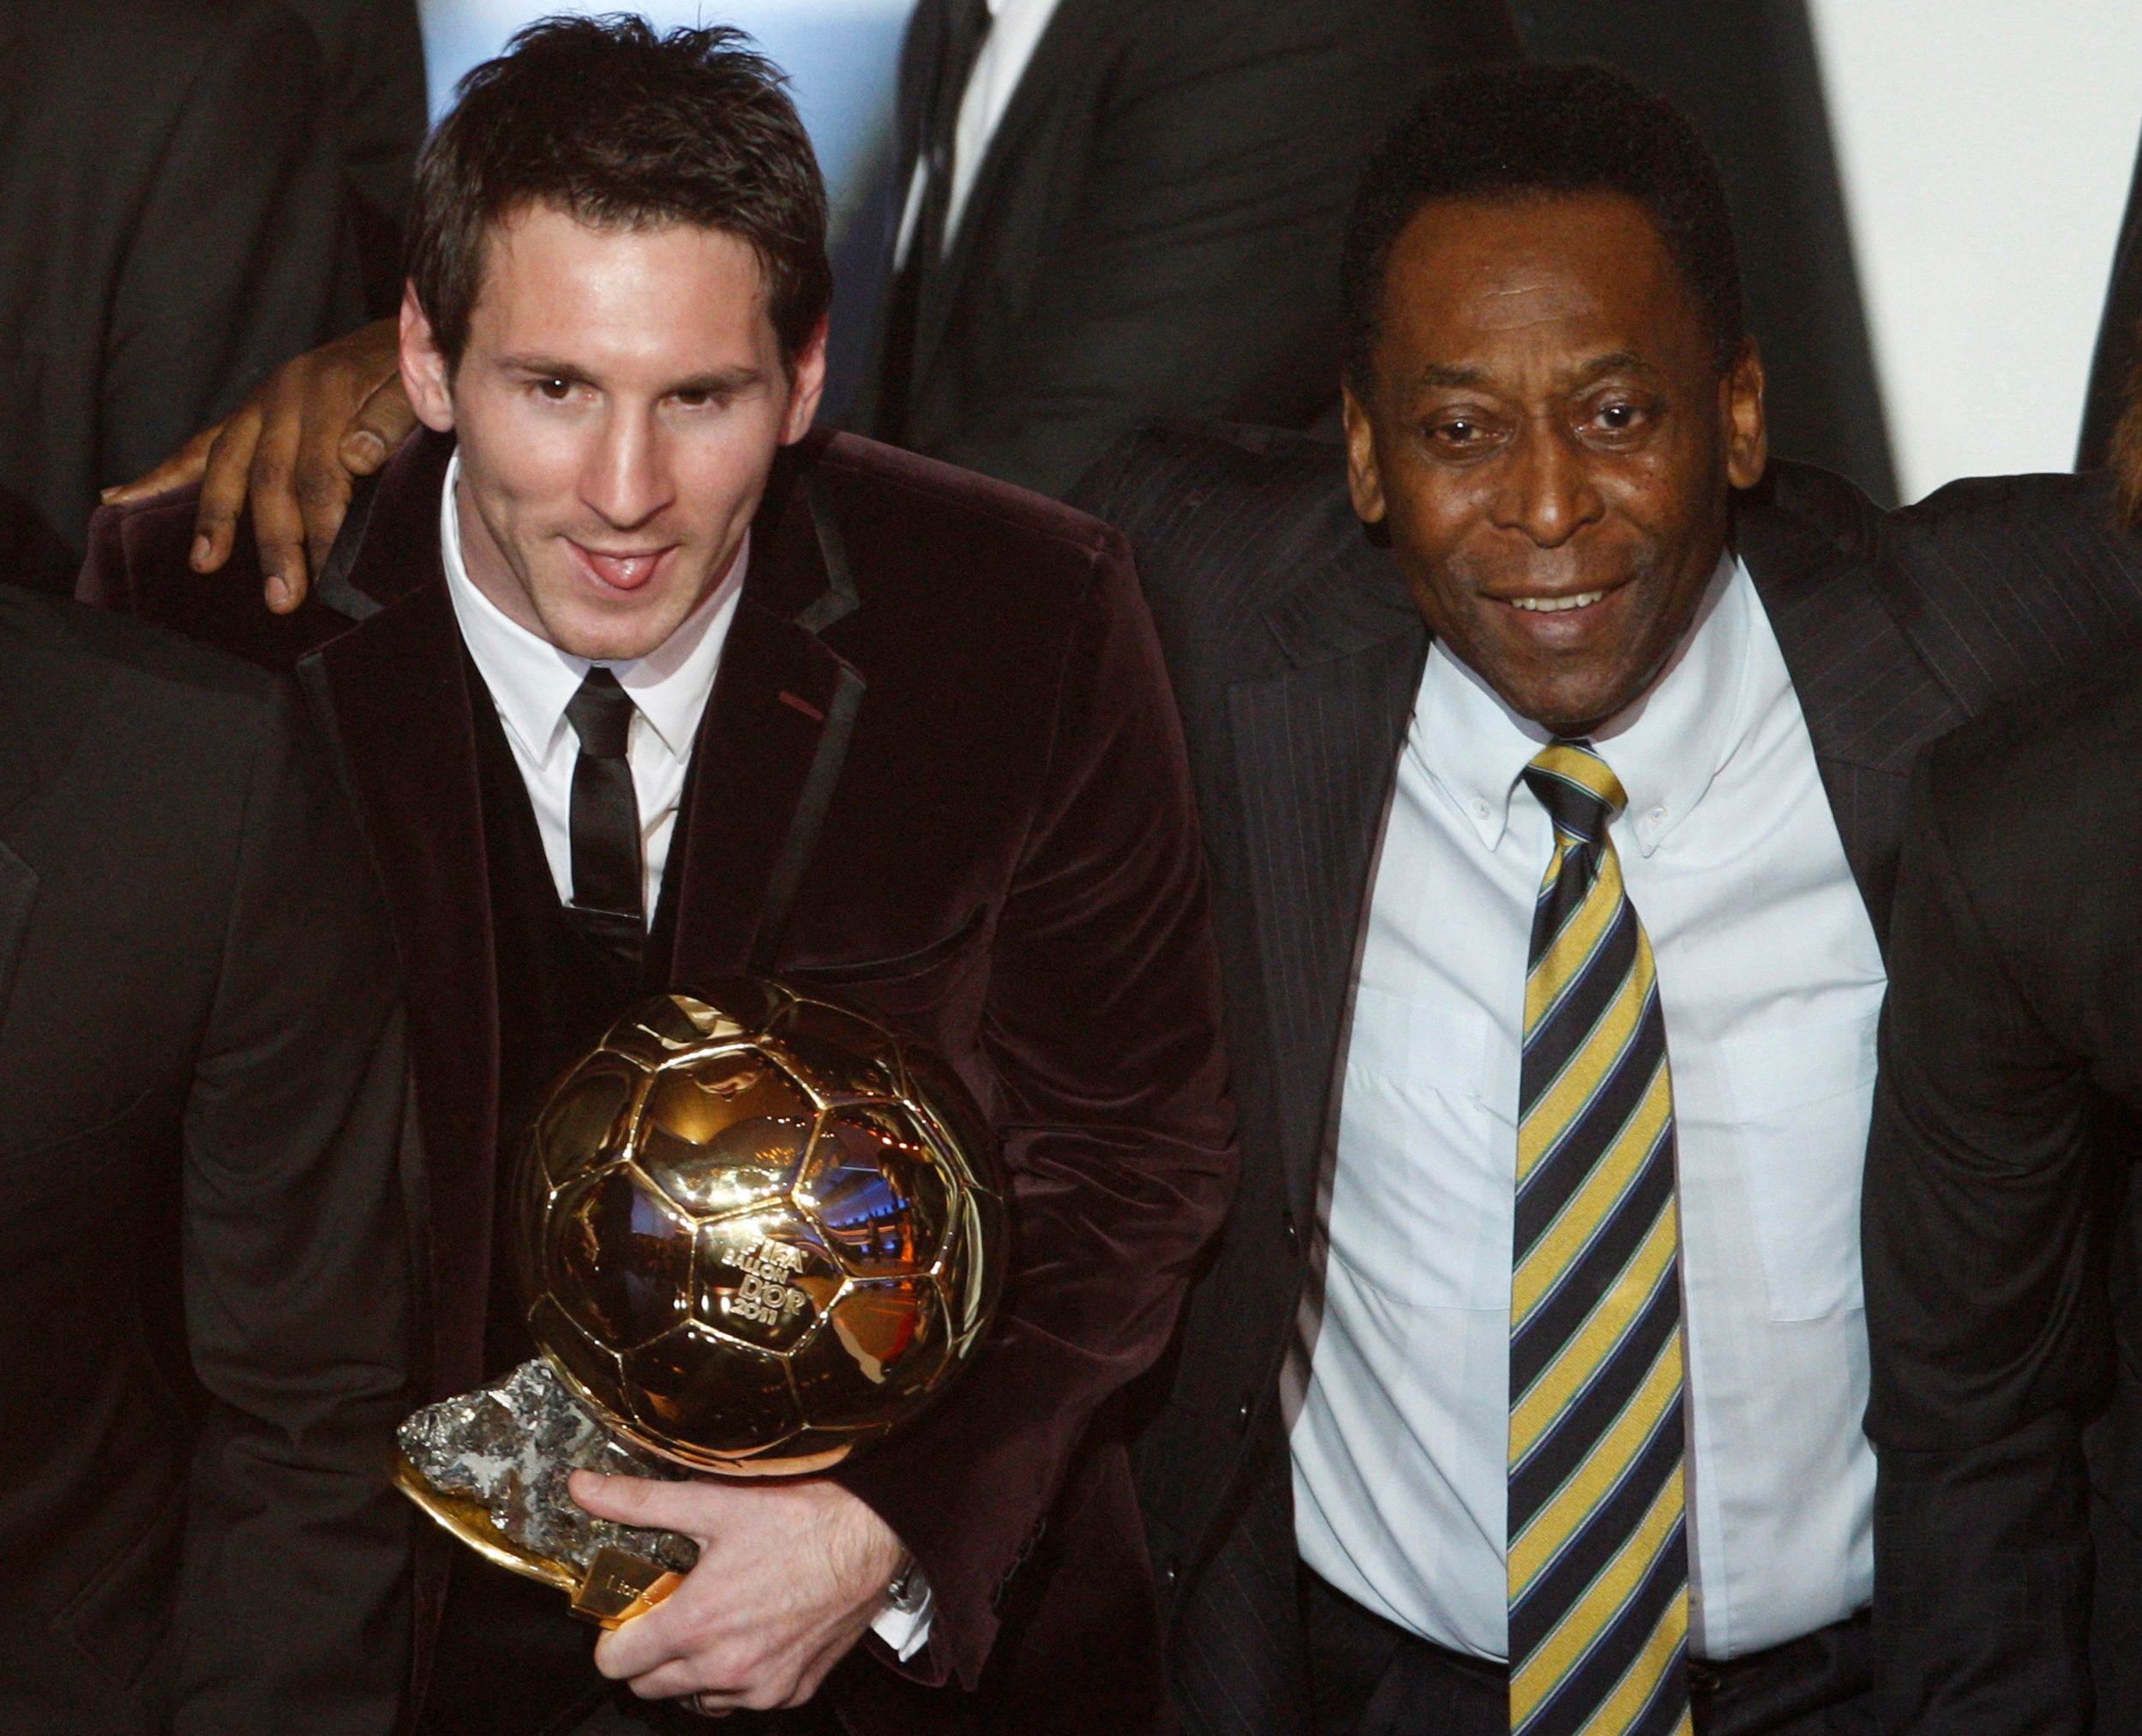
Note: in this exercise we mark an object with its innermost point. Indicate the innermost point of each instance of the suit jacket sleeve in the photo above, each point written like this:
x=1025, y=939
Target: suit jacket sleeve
x=1985, y=1303
x=238, y=258
x=1101, y=1025
x=294, y=1613
x=1197, y=273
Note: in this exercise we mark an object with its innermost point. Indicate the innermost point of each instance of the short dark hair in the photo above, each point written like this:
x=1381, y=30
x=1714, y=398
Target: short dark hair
x=1513, y=133
x=625, y=129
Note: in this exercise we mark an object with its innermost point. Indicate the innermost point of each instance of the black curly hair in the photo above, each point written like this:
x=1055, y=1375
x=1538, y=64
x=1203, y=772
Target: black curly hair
x=1513, y=133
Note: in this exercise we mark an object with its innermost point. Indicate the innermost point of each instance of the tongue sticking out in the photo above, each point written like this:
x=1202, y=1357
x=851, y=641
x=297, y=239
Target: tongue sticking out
x=623, y=572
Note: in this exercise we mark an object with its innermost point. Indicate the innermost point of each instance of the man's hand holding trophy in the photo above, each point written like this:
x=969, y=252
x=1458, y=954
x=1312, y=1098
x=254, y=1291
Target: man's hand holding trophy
x=759, y=1232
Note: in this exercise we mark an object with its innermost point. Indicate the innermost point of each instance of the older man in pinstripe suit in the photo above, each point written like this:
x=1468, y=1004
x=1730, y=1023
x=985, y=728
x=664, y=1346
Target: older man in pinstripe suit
x=1553, y=855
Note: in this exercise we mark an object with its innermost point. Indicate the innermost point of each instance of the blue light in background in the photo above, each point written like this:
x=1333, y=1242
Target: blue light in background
x=840, y=55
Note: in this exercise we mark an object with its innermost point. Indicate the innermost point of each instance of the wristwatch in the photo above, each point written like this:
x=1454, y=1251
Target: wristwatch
x=908, y=1591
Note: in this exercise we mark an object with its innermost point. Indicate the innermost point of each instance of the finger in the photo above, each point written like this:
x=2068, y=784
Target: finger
x=693, y=1508
x=322, y=485
x=181, y=468
x=279, y=521
x=323, y=502
x=636, y=1649
x=382, y=421
x=686, y=1682
x=223, y=489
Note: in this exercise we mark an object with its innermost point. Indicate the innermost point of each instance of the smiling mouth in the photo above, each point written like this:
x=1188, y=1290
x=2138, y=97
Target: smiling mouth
x=1555, y=605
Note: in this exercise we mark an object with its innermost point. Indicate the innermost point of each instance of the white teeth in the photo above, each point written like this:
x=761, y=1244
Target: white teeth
x=1555, y=605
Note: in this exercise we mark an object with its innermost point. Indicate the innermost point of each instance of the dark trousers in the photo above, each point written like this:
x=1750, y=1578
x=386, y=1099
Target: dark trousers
x=1368, y=1677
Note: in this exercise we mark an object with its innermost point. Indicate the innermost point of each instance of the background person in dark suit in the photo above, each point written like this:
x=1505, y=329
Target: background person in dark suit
x=1149, y=201
x=2001, y=1231
x=2000, y=1218
x=171, y=227
x=888, y=728
x=1106, y=210
x=205, y=1326
x=374, y=51
x=1359, y=727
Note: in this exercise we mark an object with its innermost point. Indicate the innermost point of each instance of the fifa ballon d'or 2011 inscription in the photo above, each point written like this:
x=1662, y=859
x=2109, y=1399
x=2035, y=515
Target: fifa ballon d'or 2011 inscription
x=758, y=1231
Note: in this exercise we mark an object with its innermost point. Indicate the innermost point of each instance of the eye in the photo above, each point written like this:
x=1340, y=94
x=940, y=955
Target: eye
x=555, y=390
x=1622, y=417
x=1457, y=434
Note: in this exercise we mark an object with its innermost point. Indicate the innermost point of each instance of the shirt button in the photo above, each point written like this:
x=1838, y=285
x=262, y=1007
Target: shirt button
x=1658, y=814
x=1479, y=808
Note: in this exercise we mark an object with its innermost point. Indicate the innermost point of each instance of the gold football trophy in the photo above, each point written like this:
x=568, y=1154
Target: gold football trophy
x=758, y=1231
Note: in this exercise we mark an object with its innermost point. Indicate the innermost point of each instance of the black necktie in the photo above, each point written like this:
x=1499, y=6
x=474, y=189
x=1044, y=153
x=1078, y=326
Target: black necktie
x=960, y=26
x=606, y=865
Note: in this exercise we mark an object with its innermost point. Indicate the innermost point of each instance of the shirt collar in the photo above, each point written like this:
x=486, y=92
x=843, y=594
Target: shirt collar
x=532, y=681
x=1667, y=748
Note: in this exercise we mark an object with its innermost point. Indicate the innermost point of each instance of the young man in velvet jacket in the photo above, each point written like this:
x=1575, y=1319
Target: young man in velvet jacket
x=885, y=727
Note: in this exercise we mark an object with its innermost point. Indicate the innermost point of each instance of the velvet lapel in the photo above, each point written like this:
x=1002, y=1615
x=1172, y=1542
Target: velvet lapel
x=771, y=744
x=1316, y=734
x=1870, y=692
x=393, y=693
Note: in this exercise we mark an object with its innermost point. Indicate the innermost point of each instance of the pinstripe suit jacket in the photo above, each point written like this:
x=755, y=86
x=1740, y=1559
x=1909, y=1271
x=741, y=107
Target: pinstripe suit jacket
x=1296, y=654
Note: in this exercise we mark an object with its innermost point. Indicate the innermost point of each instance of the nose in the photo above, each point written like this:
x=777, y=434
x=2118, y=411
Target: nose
x=626, y=478
x=1548, y=493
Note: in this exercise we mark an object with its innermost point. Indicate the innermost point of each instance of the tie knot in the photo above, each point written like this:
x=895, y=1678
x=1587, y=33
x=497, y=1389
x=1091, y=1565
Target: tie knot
x=1578, y=789
x=601, y=714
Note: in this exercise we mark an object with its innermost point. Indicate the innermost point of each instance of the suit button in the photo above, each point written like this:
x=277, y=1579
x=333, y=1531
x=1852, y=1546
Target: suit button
x=1293, y=1234
x=1243, y=1412
x=1168, y=1575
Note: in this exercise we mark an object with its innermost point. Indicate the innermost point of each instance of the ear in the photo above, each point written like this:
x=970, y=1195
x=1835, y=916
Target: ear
x=1363, y=481
x=426, y=375
x=807, y=376
x=1740, y=407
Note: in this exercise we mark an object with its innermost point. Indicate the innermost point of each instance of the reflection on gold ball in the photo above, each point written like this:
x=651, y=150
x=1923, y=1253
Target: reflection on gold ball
x=759, y=1231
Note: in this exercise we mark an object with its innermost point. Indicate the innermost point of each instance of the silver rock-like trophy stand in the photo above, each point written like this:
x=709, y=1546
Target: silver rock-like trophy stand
x=491, y=1466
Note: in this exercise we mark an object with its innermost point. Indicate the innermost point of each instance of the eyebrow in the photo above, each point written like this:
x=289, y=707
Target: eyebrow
x=1620, y=362
x=1437, y=374
x=721, y=381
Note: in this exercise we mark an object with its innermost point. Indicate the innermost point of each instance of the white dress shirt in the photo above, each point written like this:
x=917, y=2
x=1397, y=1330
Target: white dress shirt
x=531, y=681
x=1771, y=982
x=1015, y=31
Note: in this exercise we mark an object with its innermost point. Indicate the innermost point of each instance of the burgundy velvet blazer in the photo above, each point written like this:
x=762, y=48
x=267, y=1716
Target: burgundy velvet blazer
x=1008, y=865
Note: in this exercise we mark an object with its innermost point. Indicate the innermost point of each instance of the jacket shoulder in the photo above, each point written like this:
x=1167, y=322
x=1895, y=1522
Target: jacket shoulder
x=99, y=645
x=1983, y=503
x=1221, y=517
x=71, y=675
x=1804, y=513
x=138, y=565
x=888, y=487
x=2031, y=576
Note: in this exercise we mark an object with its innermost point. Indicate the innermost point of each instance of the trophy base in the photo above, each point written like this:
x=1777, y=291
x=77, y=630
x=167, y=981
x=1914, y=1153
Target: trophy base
x=491, y=1468
x=616, y=1586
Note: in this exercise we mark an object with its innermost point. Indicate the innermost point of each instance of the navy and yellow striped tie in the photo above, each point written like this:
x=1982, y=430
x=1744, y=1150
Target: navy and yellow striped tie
x=1598, y=1570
